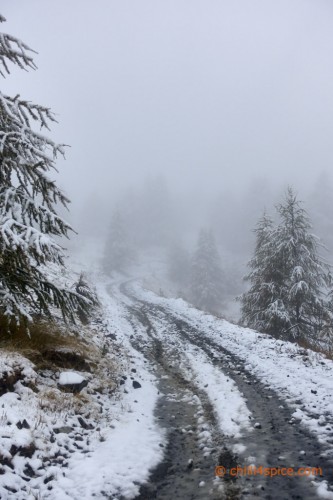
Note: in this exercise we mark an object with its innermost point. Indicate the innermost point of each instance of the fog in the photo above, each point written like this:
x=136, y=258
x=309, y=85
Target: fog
x=223, y=103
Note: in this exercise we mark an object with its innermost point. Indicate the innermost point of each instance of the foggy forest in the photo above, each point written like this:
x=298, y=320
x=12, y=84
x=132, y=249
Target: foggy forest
x=166, y=250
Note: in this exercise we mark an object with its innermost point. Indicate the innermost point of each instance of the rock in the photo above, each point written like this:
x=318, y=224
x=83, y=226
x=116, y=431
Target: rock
x=24, y=451
x=22, y=424
x=65, y=429
x=28, y=471
x=12, y=490
x=111, y=336
x=257, y=425
x=72, y=382
x=84, y=424
x=133, y=370
x=136, y=384
x=313, y=391
x=8, y=381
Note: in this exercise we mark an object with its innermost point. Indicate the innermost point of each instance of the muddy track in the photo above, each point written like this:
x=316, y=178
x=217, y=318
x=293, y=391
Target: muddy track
x=187, y=471
x=278, y=443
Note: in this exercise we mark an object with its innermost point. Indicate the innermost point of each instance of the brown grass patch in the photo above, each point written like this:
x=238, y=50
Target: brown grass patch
x=54, y=401
x=307, y=344
x=48, y=346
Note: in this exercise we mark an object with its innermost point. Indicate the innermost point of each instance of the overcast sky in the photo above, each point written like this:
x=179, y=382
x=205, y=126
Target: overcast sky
x=211, y=92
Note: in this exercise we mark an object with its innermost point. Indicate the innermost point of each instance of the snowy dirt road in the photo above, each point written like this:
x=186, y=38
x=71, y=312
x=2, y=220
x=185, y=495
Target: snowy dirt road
x=216, y=412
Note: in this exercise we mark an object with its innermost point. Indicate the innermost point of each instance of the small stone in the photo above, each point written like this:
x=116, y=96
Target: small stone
x=322, y=421
x=62, y=430
x=84, y=424
x=72, y=382
x=22, y=424
x=136, y=384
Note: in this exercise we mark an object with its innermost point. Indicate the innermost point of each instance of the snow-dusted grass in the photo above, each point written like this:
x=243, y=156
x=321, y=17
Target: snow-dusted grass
x=40, y=428
x=46, y=337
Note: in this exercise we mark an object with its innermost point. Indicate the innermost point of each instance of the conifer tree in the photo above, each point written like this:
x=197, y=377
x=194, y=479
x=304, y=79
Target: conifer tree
x=304, y=271
x=28, y=199
x=262, y=307
x=288, y=277
x=118, y=253
x=206, y=288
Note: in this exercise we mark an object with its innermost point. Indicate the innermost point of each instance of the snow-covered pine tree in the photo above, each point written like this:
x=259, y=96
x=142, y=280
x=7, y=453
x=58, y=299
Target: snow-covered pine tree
x=261, y=306
x=206, y=288
x=288, y=277
x=305, y=274
x=118, y=252
x=28, y=197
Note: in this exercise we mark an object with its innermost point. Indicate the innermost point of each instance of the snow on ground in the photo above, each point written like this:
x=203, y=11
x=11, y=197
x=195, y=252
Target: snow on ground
x=70, y=378
x=197, y=367
x=322, y=490
x=103, y=441
x=222, y=392
x=131, y=446
x=302, y=377
x=118, y=441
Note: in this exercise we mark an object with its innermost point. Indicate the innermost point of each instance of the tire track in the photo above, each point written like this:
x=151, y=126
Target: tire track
x=187, y=471
x=280, y=439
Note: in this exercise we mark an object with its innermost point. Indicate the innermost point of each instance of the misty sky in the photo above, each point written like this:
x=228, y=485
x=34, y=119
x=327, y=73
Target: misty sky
x=213, y=93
